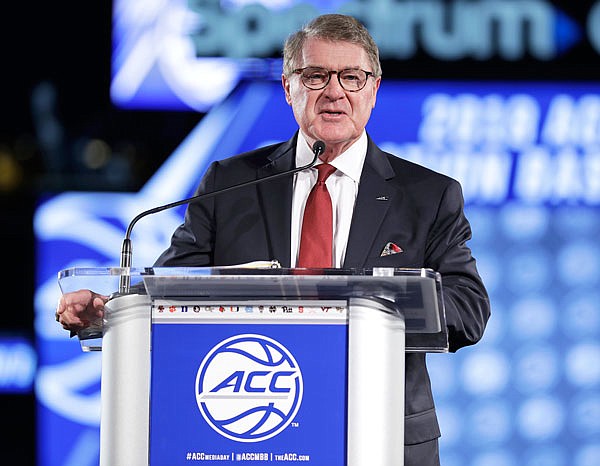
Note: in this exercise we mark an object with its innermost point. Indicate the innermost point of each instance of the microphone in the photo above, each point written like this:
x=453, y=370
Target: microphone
x=127, y=250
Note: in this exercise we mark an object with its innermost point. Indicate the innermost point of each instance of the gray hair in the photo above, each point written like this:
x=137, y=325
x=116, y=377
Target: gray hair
x=331, y=27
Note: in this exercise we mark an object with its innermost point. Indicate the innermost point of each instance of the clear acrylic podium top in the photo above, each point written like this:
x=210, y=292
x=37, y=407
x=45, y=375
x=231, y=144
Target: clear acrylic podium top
x=414, y=294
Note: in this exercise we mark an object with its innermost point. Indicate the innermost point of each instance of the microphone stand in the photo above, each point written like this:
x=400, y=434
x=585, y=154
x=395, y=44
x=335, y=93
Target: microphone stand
x=127, y=250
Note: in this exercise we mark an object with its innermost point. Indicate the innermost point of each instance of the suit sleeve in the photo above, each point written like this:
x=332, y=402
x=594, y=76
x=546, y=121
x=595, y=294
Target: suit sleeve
x=466, y=300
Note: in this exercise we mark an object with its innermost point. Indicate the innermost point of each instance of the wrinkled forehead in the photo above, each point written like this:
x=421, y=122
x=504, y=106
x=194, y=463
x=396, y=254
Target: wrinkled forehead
x=333, y=55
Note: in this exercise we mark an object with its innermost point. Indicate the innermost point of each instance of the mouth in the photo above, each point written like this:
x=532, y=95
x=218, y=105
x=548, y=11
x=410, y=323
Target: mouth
x=331, y=113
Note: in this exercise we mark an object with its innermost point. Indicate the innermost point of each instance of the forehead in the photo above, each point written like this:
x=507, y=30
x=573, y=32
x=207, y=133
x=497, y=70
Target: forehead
x=333, y=55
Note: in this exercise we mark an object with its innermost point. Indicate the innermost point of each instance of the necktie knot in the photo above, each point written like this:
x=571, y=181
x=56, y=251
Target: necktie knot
x=324, y=171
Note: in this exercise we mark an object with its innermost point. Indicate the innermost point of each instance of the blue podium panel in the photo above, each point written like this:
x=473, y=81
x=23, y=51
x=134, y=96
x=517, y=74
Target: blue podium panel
x=240, y=381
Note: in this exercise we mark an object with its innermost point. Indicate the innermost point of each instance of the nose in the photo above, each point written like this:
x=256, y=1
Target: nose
x=334, y=89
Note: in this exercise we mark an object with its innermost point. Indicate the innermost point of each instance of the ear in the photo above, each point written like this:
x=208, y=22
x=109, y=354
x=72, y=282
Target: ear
x=285, y=82
x=375, y=89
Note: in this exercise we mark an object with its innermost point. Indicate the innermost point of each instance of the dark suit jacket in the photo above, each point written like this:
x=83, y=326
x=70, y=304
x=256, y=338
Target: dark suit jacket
x=422, y=213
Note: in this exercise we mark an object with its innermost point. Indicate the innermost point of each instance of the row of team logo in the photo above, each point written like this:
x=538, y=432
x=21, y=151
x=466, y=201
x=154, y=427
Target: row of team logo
x=166, y=309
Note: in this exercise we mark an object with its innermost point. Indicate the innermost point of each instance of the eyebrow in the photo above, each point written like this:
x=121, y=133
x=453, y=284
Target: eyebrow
x=340, y=69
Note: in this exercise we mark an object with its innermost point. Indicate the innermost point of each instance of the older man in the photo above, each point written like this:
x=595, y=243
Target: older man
x=331, y=75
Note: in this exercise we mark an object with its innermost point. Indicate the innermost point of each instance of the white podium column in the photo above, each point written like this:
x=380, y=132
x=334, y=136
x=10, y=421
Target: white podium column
x=125, y=382
x=376, y=344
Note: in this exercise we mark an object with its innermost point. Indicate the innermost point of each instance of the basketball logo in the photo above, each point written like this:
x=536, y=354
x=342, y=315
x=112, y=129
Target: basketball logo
x=249, y=388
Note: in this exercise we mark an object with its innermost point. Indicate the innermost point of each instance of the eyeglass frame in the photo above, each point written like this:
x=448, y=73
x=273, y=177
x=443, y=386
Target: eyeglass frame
x=329, y=73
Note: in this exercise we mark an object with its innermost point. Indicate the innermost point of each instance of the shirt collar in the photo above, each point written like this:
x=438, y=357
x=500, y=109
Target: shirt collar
x=349, y=162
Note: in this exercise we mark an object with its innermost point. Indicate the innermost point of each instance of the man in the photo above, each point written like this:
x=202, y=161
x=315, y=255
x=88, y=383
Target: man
x=330, y=78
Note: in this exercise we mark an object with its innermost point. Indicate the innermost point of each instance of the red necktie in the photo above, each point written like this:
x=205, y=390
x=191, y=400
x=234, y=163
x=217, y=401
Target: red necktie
x=316, y=241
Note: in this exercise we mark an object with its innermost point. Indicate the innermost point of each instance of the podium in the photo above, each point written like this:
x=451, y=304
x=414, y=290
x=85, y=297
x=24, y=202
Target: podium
x=265, y=365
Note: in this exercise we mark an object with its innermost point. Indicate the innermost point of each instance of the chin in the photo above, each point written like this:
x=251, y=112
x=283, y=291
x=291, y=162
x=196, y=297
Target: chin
x=333, y=134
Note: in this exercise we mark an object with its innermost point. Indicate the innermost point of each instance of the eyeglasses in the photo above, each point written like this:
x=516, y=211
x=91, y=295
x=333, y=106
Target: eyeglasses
x=350, y=79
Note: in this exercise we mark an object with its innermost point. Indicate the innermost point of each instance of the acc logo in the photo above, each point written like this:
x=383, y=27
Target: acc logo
x=249, y=388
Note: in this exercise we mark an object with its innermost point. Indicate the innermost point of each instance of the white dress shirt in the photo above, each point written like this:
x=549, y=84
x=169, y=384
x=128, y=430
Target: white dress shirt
x=343, y=189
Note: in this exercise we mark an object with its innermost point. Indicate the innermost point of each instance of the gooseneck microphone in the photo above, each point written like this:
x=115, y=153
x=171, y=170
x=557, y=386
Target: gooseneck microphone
x=127, y=250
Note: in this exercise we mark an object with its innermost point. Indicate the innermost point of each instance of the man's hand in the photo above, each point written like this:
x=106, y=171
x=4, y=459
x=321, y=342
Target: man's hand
x=80, y=309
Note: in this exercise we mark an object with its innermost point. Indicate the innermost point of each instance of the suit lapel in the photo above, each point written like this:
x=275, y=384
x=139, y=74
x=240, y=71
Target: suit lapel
x=275, y=198
x=372, y=203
